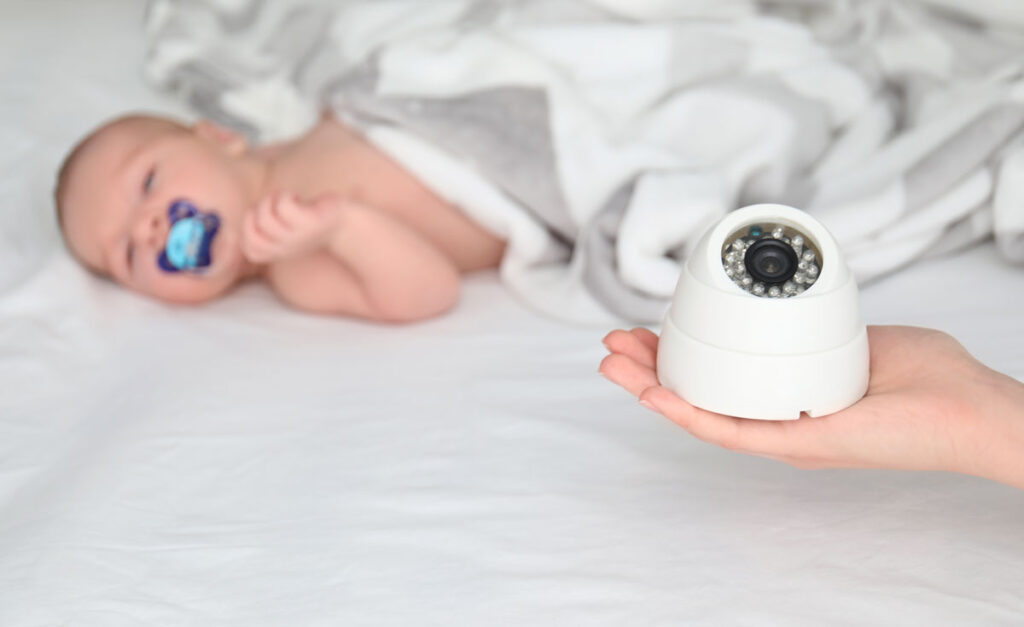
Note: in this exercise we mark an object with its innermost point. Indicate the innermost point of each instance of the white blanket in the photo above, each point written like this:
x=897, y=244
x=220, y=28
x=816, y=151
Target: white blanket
x=602, y=138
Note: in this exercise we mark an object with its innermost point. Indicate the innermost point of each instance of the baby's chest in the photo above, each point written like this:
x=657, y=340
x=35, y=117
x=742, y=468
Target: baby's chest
x=357, y=171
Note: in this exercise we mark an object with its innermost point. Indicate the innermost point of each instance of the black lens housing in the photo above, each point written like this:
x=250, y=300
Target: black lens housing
x=770, y=261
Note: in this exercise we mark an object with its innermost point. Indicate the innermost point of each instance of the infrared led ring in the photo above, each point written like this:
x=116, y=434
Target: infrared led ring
x=771, y=260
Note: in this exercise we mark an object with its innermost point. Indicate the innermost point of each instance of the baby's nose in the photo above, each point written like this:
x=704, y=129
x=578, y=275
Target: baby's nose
x=151, y=230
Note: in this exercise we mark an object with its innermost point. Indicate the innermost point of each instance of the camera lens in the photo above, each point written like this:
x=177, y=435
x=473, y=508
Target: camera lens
x=770, y=261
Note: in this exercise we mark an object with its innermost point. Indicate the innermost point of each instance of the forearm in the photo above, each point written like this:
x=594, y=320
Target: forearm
x=403, y=275
x=1001, y=430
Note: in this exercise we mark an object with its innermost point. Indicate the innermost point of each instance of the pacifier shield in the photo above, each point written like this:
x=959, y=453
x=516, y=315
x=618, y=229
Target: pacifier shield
x=190, y=238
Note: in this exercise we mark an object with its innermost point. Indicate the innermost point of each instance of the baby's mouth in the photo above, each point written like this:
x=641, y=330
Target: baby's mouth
x=190, y=239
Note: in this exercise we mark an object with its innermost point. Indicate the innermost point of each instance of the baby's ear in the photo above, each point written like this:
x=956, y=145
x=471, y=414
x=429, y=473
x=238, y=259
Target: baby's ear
x=232, y=142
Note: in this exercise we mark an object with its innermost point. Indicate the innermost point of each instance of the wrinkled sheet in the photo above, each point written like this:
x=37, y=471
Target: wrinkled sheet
x=242, y=464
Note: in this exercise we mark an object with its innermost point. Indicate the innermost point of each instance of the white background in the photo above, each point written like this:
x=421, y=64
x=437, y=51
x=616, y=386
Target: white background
x=241, y=464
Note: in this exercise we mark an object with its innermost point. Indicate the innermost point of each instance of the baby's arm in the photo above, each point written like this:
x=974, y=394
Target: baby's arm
x=335, y=256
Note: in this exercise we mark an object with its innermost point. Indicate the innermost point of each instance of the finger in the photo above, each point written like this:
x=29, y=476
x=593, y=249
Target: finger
x=632, y=376
x=258, y=253
x=767, y=438
x=268, y=219
x=605, y=339
x=259, y=223
x=293, y=209
x=311, y=219
x=282, y=211
x=256, y=257
x=628, y=344
x=255, y=233
x=704, y=425
x=326, y=201
x=255, y=245
x=261, y=247
x=647, y=338
x=254, y=254
x=325, y=207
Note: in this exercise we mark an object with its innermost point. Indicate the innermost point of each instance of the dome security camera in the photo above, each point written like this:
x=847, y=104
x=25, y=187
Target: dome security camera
x=765, y=322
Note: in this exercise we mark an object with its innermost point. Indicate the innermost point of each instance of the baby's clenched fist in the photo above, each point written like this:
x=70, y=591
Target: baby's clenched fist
x=282, y=226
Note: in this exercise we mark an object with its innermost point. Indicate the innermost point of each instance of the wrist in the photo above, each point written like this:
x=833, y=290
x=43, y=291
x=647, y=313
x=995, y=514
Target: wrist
x=348, y=227
x=1000, y=419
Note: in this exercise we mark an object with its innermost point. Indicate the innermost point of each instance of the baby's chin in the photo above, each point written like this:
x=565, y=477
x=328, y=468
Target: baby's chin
x=183, y=292
x=193, y=288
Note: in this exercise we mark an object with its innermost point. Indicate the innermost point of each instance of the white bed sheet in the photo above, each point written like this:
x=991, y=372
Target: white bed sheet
x=241, y=464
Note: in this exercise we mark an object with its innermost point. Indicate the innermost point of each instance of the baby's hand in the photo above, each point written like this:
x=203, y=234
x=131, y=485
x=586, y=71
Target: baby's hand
x=282, y=226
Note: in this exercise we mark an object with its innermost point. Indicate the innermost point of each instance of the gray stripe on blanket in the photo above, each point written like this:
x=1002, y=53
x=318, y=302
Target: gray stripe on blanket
x=503, y=133
x=299, y=38
x=961, y=154
x=232, y=17
x=596, y=248
x=203, y=87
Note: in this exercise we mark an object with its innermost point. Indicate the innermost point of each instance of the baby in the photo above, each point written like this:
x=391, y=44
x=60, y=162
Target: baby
x=185, y=213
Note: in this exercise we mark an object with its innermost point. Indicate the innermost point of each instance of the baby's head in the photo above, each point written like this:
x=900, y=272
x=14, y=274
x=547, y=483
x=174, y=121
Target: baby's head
x=123, y=188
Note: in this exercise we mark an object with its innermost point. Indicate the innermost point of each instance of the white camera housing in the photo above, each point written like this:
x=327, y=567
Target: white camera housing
x=725, y=349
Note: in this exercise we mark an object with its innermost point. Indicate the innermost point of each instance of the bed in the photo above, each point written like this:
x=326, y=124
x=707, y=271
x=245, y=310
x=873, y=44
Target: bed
x=242, y=464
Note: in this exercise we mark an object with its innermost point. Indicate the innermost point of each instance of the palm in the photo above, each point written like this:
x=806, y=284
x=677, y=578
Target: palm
x=907, y=419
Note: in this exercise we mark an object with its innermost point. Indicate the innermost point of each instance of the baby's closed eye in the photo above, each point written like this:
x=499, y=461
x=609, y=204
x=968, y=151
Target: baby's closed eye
x=147, y=182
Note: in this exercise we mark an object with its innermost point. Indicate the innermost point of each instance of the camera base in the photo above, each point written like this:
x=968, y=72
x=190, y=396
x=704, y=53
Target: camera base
x=759, y=386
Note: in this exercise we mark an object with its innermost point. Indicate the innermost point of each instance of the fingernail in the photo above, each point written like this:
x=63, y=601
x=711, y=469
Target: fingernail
x=648, y=405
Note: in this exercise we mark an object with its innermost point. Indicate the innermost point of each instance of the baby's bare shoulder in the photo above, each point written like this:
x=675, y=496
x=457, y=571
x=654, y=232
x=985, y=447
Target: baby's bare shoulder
x=332, y=131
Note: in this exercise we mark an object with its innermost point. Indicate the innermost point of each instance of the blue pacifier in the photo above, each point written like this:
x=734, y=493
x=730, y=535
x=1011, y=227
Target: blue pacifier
x=190, y=238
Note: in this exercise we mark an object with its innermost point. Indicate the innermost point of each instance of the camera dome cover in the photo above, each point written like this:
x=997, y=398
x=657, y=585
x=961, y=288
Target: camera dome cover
x=727, y=350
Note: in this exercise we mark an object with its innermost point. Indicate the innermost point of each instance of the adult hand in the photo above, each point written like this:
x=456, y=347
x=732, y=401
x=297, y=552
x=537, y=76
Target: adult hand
x=929, y=406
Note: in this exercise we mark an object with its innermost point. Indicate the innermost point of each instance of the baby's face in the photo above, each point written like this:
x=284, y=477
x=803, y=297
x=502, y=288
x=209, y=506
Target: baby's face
x=117, y=197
